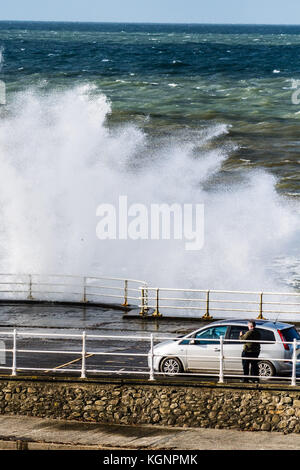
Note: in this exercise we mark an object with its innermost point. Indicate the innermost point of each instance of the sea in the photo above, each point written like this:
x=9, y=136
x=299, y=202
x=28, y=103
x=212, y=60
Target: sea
x=159, y=113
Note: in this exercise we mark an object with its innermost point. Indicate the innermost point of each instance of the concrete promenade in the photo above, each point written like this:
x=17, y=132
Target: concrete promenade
x=23, y=432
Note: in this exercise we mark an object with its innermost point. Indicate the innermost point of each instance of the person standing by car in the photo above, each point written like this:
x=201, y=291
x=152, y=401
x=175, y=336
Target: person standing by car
x=251, y=351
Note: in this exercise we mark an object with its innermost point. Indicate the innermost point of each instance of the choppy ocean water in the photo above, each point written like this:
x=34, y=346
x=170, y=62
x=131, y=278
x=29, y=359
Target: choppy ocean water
x=161, y=113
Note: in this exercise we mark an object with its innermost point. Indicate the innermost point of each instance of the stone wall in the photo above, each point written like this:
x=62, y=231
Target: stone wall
x=267, y=408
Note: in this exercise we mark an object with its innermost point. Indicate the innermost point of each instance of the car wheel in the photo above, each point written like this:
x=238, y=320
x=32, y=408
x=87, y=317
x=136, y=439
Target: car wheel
x=171, y=366
x=266, y=369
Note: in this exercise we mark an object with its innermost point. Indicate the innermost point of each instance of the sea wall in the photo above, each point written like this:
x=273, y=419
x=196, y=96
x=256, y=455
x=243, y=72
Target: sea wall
x=251, y=408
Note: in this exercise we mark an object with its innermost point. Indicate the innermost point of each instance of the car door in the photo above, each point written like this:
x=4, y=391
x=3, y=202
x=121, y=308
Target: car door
x=233, y=349
x=203, y=352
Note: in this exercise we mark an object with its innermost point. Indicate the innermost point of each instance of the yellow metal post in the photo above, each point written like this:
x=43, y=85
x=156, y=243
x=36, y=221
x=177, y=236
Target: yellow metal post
x=125, y=304
x=207, y=316
x=142, y=311
x=156, y=313
x=260, y=316
x=84, y=300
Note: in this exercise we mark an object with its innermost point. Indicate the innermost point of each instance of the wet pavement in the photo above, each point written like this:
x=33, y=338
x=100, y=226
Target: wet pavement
x=88, y=317
x=49, y=434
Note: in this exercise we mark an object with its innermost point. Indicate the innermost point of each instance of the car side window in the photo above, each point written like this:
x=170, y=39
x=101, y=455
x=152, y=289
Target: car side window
x=234, y=332
x=210, y=334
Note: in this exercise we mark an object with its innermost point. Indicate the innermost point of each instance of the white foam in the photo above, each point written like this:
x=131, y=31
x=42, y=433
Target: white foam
x=59, y=161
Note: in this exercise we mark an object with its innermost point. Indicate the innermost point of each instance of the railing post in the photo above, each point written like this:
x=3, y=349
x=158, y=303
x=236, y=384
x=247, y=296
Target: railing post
x=142, y=311
x=14, y=357
x=221, y=374
x=125, y=304
x=151, y=378
x=293, y=382
x=146, y=298
x=260, y=316
x=84, y=299
x=83, y=354
x=29, y=297
x=207, y=315
x=156, y=312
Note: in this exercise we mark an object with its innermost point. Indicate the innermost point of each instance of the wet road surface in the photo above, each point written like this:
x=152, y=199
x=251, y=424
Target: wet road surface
x=73, y=320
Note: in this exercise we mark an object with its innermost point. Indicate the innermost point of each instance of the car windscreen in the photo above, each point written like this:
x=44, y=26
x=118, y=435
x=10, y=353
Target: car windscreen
x=290, y=333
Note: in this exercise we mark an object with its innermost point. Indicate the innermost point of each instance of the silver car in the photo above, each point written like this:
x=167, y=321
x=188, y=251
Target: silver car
x=200, y=350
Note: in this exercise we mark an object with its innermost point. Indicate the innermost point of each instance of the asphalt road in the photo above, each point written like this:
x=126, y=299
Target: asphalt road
x=70, y=319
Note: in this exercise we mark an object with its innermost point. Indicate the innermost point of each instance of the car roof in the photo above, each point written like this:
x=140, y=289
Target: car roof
x=266, y=323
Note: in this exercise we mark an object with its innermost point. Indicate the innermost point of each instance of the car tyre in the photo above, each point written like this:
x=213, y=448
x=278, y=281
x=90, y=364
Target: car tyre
x=171, y=366
x=266, y=369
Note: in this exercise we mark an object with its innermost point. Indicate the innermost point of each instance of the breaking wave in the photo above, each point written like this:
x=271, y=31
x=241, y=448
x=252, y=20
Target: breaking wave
x=59, y=159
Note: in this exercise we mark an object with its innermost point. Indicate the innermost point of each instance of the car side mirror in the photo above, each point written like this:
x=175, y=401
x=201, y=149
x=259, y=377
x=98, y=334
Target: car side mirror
x=192, y=341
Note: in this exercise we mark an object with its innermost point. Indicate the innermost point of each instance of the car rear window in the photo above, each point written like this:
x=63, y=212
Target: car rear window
x=266, y=335
x=290, y=333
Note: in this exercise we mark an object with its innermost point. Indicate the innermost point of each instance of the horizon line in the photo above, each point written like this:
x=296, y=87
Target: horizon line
x=149, y=22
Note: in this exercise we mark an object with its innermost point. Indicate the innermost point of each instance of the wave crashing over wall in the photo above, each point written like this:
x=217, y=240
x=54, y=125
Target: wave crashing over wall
x=59, y=159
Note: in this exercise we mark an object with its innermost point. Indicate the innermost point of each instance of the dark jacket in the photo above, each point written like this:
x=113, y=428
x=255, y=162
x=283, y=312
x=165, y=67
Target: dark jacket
x=253, y=335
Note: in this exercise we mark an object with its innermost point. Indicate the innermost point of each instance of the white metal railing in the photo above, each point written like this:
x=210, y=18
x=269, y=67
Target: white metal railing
x=69, y=288
x=205, y=304
x=84, y=353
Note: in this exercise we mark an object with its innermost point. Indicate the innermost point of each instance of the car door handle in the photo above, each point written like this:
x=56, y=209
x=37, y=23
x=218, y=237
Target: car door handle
x=217, y=349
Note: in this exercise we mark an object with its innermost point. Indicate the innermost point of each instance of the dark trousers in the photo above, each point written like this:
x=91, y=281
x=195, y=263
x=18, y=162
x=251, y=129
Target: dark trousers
x=250, y=365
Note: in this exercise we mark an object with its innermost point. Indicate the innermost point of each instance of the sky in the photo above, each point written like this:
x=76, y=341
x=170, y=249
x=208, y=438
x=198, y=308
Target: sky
x=154, y=11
